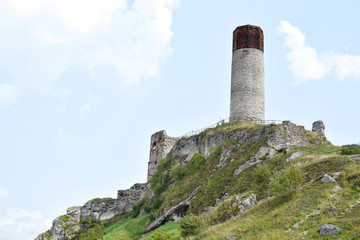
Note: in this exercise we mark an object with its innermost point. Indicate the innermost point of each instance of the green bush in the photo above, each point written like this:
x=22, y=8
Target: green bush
x=262, y=174
x=350, y=149
x=190, y=225
x=161, y=236
x=197, y=161
x=138, y=206
x=92, y=231
x=285, y=182
x=157, y=201
x=178, y=172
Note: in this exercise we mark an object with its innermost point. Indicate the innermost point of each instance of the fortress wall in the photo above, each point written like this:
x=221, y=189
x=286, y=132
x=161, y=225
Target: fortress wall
x=160, y=146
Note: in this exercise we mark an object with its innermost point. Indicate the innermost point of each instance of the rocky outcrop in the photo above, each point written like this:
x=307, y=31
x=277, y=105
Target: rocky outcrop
x=99, y=209
x=102, y=209
x=63, y=227
x=328, y=230
x=319, y=127
x=174, y=212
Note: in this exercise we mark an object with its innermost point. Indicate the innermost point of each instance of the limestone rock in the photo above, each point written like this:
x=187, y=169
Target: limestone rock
x=63, y=227
x=319, y=127
x=245, y=202
x=295, y=155
x=326, y=179
x=100, y=209
x=328, y=230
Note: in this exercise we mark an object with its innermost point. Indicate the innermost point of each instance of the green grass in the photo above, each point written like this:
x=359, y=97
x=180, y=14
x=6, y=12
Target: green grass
x=130, y=228
x=171, y=228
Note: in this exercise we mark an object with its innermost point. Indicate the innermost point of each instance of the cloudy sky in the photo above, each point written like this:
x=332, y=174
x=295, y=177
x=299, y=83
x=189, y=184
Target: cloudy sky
x=84, y=84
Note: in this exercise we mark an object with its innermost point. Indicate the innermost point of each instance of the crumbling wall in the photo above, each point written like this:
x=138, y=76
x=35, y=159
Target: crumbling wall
x=160, y=145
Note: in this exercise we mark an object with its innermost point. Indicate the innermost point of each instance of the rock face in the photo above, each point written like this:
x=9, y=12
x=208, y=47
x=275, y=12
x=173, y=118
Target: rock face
x=99, y=209
x=102, y=209
x=319, y=127
x=127, y=198
x=63, y=227
x=328, y=230
x=160, y=146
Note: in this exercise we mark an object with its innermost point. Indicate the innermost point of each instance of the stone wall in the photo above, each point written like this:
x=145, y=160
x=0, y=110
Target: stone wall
x=160, y=146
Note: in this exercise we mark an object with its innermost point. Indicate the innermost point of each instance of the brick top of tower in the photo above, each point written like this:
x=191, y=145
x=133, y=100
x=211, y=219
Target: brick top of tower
x=248, y=36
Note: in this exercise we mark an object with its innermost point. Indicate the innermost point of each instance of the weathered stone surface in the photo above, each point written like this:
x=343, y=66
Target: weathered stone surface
x=295, y=155
x=160, y=146
x=247, y=85
x=174, y=212
x=319, y=127
x=326, y=179
x=328, y=230
x=100, y=209
x=63, y=227
x=245, y=203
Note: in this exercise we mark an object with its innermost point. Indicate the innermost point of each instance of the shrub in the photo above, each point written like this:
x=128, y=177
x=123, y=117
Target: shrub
x=178, y=172
x=350, y=149
x=197, y=161
x=285, y=182
x=138, y=206
x=91, y=231
x=190, y=225
x=161, y=236
x=157, y=201
x=262, y=174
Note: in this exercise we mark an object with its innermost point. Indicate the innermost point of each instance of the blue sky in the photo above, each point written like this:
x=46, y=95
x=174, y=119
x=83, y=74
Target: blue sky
x=84, y=84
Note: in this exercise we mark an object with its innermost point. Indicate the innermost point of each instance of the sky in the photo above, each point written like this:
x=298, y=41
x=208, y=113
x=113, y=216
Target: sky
x=84, y=84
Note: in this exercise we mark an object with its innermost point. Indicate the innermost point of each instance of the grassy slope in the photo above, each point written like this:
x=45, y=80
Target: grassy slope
x=271, y=218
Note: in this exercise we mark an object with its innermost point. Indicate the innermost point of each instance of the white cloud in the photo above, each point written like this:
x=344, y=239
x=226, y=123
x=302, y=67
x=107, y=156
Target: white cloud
x=8, y=96
x=307, y=64
x=44, y=38
x=17, y=223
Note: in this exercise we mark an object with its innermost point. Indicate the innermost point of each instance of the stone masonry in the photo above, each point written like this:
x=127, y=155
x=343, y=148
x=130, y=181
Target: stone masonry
x=160, y=146
x=247, y=74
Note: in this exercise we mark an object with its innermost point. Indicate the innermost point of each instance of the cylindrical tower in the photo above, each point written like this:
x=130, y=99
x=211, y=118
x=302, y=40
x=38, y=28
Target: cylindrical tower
x=247, y=74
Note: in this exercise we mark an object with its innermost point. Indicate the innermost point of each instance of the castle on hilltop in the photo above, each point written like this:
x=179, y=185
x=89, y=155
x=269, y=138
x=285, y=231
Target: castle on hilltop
x=247, y=101
x=247, y=89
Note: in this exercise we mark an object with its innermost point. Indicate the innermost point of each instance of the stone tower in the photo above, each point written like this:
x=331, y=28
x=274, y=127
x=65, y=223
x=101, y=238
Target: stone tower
x=247, y=74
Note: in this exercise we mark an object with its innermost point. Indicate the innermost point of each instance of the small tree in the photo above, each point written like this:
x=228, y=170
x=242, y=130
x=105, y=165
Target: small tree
x=286, y=182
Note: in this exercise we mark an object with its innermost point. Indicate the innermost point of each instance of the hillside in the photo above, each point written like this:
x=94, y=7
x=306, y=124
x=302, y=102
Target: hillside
x=238, y=180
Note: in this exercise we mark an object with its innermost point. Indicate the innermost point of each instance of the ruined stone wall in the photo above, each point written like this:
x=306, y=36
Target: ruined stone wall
x=247, y=75
x=160, y=146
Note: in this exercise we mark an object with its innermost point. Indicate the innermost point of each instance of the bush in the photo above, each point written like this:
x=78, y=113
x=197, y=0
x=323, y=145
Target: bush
x=138, y=206
x=190, y=225
x=92, y=231
x=197, y=161
x=161, y=236
x=178, y=172
x=350, y=149
x=262, y=174
x=157, y=201
x=285, y=182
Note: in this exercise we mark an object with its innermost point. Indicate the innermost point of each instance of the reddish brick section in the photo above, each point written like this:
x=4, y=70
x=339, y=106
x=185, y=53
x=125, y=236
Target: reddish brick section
x=248, y=36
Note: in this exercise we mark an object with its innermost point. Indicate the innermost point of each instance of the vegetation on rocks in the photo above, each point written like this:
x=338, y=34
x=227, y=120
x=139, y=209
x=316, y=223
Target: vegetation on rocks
x=259, y=182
